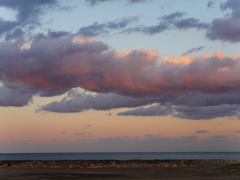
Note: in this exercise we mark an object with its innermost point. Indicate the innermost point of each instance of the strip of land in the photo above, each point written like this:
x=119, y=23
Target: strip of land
x=115, y=163
x=124, y=170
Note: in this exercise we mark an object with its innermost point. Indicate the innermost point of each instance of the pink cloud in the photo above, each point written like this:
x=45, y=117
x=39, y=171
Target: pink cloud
x=52, y=66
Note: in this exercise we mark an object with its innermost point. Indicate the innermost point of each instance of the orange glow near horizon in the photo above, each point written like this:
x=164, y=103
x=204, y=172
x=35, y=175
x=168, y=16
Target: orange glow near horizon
x=26, y=125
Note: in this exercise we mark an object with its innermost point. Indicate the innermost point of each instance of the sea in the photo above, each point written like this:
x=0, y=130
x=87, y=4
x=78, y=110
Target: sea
x=120, y=156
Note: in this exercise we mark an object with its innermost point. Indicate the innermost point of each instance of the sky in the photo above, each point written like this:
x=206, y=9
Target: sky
x=119, y=76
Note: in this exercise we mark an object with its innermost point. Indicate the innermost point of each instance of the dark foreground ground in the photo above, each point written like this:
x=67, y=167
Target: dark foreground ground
x=211, y=172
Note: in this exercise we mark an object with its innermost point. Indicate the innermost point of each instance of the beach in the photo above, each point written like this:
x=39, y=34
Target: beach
x=116, y=170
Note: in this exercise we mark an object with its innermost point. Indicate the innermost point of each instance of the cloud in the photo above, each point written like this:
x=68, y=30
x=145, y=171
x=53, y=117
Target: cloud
x=27, y=12
x=87, y=126
x=213, y=4
x=63, y=132
x=210, y=4
x=210, y=112
x=155, y=29
x=150, y=111
x=92, y=65
x=226, y=28
x=57, y=34
x=175, y=19
x=238, y=131
x=190, y=23
x=173, y=16
x=57, y=63
x=79, y=102
x=196, y=49
x=197, y=105
x=186, y=112
x=95, y=2
x=17, y=33
x=6, y=26
x=168, y=22
x=100, y=29
x=202, y=131
x=15, y=96
x=139, y=1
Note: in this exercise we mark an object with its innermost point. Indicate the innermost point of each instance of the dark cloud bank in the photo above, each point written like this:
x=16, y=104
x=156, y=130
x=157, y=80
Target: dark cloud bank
x=185, y=87
x=196, y=88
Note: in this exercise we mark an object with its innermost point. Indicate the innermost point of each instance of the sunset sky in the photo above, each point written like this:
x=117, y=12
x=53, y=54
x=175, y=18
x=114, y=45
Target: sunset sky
x=119, y=75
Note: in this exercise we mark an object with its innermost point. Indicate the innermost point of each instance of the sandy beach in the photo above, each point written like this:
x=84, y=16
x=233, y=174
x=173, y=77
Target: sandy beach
x=192, y=172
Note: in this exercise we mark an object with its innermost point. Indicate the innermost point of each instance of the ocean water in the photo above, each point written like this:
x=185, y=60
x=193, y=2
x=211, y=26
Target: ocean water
x=120, y=156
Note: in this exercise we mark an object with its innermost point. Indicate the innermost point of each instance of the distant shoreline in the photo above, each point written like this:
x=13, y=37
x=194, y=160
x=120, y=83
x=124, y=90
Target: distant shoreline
x=114, y=163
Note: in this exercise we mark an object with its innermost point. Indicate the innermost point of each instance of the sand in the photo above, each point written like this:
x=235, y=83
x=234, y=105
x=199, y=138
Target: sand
x=209, y=171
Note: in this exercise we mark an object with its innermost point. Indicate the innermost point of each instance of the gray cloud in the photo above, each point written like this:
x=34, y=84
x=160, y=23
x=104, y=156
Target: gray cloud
x=190, y=23
x=150, y=111
x=231, y=4
x=228, y=27
x=202, y=131
x=238, y=131
x=63, y=132
x=154, y=29
x=198, y=113
x=173, y=16
x=17, y=33
x=167, y=22
x=15, y=96
x=80, y=102
x=28, y=11
x=198, y=105
x=210, y=4
x=185, y=112
x=57, y=34
x=176, y=19
x=95, y=2
x=138, y=1
x=93, y=30
x=6, y=26
x=100, y=29
x=87, y=126
x=196, y=49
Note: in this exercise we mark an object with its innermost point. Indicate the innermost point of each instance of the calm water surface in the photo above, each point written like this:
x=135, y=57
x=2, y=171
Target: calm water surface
x=120, y=156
